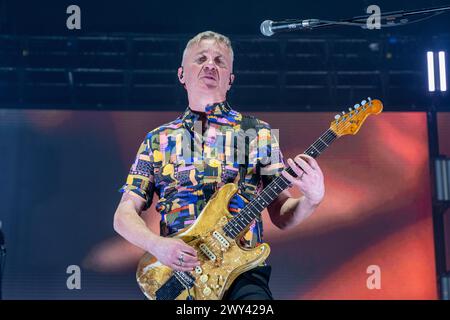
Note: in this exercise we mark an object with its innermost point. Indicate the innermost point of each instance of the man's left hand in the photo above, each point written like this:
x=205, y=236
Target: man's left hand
x=309, y=180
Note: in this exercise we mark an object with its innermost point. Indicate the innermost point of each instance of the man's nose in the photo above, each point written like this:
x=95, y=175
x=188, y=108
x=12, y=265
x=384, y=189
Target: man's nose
x=210, y=64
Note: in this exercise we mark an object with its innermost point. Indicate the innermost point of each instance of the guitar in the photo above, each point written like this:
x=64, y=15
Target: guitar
x=215, y=234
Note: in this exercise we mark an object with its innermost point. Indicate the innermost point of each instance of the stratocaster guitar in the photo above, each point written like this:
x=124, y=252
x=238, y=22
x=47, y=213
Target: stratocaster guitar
x=215, y=234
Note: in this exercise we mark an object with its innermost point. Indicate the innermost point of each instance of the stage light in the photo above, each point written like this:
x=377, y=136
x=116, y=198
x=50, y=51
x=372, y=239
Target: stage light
x=430, y=60
x=442, y=73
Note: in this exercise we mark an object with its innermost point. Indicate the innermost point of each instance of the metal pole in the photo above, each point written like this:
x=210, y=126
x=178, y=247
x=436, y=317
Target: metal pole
x=437, y=212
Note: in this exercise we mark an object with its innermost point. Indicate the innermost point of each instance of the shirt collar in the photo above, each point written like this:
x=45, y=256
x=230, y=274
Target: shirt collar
x=219, y=112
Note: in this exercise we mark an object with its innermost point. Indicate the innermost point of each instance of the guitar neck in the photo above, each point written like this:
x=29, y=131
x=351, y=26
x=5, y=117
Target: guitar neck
x=254, y=208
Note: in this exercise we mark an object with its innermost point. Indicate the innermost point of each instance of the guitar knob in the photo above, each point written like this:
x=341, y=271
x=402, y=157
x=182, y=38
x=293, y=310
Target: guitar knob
x=207, y=291
x=198, y=270
x=363, y=102
x=204, y=278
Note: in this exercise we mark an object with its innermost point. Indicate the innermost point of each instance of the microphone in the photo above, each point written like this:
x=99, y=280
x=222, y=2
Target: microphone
x=269, y=27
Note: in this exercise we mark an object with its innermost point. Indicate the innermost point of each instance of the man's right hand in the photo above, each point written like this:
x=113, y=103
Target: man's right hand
x=169, y=250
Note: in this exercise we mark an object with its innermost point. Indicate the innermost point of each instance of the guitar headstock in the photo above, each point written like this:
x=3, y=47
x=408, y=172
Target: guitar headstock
x=351, y=122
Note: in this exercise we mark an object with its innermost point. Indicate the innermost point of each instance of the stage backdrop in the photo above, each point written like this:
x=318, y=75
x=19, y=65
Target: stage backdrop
x=61, y=171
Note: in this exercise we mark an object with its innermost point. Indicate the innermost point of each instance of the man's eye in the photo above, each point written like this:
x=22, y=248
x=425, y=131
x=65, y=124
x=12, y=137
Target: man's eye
x=201, y=59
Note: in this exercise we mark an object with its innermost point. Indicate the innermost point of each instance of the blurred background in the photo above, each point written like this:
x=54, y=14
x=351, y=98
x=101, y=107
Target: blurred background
x=75, y=105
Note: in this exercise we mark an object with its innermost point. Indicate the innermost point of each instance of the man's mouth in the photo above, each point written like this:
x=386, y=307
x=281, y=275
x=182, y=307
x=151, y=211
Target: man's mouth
x=209, y=77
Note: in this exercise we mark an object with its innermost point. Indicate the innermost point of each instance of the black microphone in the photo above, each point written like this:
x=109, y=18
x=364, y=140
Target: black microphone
x=269, y=27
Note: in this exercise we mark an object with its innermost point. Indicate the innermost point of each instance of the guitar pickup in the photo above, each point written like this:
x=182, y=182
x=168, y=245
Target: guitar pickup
x=204, y=248
x=223, y=242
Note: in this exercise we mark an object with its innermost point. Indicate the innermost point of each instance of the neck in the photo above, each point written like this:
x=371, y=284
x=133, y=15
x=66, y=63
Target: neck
x=199, y=102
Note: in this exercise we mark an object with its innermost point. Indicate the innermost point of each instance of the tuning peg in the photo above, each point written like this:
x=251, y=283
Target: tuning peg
x=363, y=102
x=369, y=98
x=337, y=117
x=343, y=112
x=356, y=106
x=350, y=109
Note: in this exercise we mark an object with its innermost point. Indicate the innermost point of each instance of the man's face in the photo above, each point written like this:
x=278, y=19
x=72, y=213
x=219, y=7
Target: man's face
x=207, y=68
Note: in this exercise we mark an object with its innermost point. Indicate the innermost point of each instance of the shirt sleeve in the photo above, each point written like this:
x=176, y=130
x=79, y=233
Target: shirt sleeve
x=270, y=157
x=140, y=180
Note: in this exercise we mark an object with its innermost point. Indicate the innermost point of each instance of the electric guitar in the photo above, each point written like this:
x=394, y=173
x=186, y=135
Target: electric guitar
x=215, y=234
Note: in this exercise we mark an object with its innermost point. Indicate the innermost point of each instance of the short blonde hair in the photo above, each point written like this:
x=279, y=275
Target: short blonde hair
x=206, y=35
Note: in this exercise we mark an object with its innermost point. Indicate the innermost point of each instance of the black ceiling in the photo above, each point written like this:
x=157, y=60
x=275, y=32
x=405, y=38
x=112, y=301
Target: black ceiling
x=190, y=17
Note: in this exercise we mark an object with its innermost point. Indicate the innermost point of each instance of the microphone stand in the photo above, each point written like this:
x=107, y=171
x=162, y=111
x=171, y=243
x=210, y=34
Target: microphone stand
x=390, y=18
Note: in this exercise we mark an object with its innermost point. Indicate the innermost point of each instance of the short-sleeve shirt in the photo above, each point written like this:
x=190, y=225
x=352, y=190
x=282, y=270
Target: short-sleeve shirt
x=186, y=165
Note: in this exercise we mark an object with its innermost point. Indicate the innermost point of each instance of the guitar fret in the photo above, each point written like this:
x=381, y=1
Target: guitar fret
x=315, y=149
x=320, y=146
x=323, y=141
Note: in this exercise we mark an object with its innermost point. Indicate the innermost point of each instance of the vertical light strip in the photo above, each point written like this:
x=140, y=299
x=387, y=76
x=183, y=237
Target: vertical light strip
x=430, y=60
x=442, y=73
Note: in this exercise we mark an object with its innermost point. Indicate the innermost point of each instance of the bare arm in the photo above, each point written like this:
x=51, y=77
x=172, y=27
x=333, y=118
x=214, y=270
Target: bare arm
x=129, y=224
x=286, y=211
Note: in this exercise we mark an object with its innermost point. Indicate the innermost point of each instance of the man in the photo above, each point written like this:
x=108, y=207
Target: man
x=185, y=186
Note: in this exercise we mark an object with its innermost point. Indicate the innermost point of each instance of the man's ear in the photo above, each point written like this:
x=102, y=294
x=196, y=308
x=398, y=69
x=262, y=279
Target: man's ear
x=181, y=75
x=231, y=79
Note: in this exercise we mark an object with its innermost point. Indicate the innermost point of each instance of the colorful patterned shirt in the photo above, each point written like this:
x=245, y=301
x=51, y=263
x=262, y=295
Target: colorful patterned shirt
x=185, y=168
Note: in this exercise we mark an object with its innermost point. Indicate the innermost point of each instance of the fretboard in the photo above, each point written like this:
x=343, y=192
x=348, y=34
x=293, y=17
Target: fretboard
x=254, y=208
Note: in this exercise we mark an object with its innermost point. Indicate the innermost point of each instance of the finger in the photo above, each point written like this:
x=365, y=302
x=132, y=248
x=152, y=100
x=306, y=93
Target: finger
x=191, y=265
x=186, y=249
x=177, y=265
x=181, y=268
x=298, y=171
x=312, y=162
x=289, y=177
x=190, y=259
x=304, y=165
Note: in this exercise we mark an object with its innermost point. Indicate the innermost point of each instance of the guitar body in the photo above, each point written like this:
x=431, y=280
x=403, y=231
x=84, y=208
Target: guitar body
x=222, y=259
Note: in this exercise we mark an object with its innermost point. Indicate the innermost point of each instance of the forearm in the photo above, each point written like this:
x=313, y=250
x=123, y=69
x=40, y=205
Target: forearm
x=294, y=211
x=132, y=227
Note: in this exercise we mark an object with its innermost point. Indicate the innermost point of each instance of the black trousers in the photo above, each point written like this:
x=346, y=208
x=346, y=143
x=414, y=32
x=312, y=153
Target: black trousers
x=251, y=285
